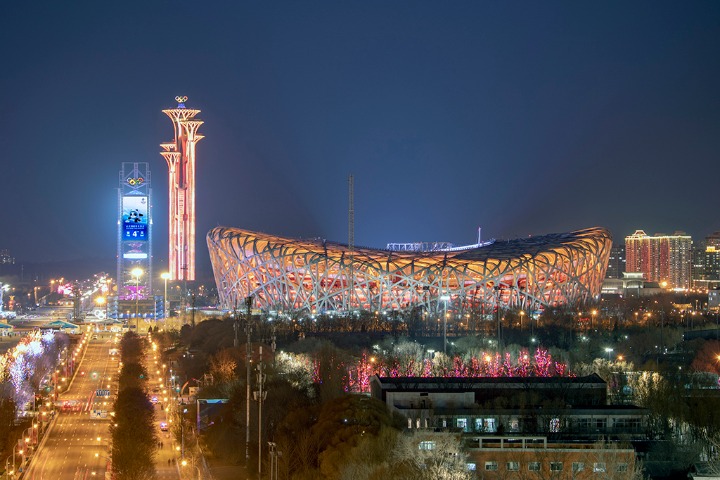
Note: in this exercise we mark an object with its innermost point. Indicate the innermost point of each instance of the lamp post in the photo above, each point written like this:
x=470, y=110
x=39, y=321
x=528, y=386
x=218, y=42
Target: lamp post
x=445, y=298
x=9, y=472
x=274, y=454
x=20, y=452
x=497, y=314
x=165, y=276
x=608, y=350
x=137, y=272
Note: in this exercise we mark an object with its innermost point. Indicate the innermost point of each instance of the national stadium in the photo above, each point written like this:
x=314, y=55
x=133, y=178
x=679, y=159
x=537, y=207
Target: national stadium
x=317, y=276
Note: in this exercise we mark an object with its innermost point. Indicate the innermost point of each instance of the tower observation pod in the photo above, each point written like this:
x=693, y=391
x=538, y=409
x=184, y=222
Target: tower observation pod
x=180, y=157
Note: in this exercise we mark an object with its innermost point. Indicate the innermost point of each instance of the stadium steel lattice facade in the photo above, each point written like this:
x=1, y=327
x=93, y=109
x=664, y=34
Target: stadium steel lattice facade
x=290, y=275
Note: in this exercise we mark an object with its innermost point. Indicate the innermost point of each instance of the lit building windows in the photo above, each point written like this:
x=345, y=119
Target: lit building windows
x=427, y=445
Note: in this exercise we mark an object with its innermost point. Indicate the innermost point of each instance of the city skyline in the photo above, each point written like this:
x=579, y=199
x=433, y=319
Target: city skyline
x=521, y=119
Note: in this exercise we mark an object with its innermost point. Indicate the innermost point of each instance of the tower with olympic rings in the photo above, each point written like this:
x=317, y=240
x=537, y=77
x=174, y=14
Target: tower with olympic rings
x=180, y=157
x=134, y=235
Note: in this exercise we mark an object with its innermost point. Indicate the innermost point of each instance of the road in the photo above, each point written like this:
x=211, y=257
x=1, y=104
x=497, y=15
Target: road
x=77, y=446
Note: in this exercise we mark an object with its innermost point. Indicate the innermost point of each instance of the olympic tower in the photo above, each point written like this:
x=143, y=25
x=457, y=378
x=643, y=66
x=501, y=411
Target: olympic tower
x=180, y=157
x=134, y=257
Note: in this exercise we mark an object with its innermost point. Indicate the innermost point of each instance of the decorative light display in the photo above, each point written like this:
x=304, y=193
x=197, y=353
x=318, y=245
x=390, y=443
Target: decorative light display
x=20, y=363
x=135, y=181
x=356, y=377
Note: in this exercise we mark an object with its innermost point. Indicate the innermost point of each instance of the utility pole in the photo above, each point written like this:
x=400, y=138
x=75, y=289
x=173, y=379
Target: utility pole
x=260, y=396
x=497, y=314
x=248, y=354
x=192, y=315
x=236, y=326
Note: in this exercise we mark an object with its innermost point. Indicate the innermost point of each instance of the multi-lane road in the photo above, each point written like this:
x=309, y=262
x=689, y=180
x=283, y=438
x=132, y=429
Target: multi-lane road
x=77, y=445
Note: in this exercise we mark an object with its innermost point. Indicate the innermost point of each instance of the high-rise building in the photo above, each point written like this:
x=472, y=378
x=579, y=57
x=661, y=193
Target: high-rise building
x=665, y=259
x=134, y=256
x=180, y=157
x=616, y=264
x=706, y=263
x=713, y=240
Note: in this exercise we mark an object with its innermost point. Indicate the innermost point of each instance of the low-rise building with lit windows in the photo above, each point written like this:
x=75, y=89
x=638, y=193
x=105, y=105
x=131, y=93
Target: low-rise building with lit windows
x=529, y=427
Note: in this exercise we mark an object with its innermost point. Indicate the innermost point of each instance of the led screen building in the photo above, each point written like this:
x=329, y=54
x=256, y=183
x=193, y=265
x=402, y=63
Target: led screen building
x=315, y=276
x=134, y=233
x=180, y=157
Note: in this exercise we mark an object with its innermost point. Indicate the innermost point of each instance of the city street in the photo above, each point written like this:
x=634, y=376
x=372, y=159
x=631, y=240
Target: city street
x=76, y=447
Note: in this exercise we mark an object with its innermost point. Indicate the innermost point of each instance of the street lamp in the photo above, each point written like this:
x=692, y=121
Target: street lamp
x=137, y=272
x=608, y=350
x=165, y=276
x=445, y=298
x=20, y=452
x=274, y=454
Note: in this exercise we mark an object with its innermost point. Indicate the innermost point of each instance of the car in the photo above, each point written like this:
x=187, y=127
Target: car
x=163, y=426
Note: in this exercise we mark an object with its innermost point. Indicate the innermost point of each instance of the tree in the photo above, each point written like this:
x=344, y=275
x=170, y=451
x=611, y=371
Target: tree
x=223, y=365
x=132, y=375
x=707, y=358
x=134, y=442
x=412, y=456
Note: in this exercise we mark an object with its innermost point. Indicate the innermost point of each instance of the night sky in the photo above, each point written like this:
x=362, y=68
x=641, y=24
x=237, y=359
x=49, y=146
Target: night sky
x=524, y=118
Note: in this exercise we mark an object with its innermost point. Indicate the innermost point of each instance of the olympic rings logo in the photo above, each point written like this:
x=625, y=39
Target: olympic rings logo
x=133, y=182
x=181, y=99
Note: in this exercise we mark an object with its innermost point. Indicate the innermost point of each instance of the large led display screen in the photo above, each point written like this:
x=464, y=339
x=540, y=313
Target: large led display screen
x=135, y=218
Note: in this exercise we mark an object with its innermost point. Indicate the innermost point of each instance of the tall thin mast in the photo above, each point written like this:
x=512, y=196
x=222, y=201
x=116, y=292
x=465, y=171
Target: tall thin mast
x=351, y=238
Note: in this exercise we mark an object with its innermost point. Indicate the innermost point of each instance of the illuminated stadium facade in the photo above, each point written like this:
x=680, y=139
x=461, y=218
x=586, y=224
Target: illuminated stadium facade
x=314, y=276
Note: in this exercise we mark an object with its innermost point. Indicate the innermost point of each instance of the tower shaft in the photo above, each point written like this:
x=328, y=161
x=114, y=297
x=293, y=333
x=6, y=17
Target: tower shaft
x=180, y=157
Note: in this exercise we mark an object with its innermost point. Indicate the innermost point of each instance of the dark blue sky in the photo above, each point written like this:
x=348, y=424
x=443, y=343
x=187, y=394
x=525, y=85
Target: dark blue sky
x=520, y=117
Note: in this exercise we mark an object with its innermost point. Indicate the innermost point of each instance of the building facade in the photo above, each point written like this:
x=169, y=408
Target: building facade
x=616, y=262
x=134, y=235
x=532, y=427
x=706, y=263
x=661, y=258
x=317, y=276
x=180, y=157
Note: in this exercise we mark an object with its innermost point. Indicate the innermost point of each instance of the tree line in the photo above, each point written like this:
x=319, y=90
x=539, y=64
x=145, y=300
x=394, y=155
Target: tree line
x=134, y=441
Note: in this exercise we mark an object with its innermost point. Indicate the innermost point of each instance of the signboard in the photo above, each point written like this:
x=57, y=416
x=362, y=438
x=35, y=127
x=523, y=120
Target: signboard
x=102, y=393
x=135, y=218
x=134, y=250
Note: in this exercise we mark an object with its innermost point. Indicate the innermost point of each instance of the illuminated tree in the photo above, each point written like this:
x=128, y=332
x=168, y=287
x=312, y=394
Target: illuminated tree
x=223, y=365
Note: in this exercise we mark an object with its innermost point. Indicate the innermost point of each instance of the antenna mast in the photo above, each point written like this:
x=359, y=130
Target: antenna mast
x=351, y=237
